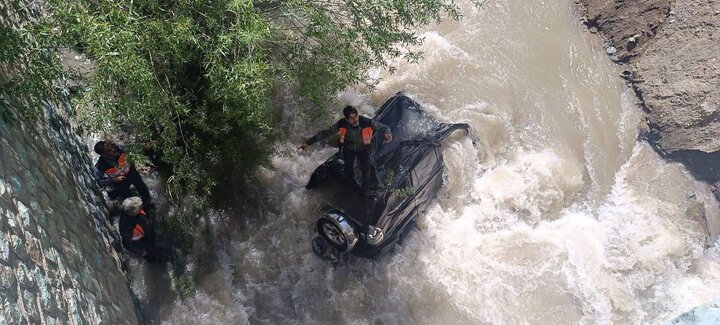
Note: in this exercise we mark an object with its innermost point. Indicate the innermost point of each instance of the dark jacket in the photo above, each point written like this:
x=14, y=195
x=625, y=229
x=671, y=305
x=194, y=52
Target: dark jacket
x=137, y=232
x=353, y=136
x=106, y=169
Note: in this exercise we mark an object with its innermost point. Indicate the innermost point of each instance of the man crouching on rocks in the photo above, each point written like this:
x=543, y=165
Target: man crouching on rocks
x=137, y=231
x=114, y=169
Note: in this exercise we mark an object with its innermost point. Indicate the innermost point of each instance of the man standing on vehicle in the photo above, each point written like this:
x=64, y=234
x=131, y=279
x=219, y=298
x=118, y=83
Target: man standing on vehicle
x=356, y=134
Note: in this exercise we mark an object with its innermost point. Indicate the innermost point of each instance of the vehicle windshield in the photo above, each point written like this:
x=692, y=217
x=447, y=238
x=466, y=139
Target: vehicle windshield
x=407, y=121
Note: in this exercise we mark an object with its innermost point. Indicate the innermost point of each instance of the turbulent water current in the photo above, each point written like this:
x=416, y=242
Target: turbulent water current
x=552, y=211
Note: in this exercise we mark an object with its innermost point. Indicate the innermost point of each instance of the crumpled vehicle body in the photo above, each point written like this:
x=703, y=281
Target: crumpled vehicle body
x=409, y=175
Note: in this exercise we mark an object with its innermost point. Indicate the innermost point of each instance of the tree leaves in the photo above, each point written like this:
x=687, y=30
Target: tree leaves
x=326, y=45
x=191, y=78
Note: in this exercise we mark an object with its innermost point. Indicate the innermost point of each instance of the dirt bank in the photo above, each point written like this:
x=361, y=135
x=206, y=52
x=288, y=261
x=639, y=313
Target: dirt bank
x=669, y=49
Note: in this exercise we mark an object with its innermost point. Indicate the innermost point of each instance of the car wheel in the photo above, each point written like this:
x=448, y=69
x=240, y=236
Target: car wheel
x=332, y=233
x=324, y=250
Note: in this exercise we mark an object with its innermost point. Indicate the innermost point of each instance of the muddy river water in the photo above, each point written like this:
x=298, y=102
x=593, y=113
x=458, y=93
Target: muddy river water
x=556, y=214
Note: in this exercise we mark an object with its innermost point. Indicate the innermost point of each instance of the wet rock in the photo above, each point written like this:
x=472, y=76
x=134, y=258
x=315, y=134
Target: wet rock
x=17, y=245
x=4, y=248
x=696, y=211
x=11, y=313
x=704, y=166
x=8, y=281
x=30, y=304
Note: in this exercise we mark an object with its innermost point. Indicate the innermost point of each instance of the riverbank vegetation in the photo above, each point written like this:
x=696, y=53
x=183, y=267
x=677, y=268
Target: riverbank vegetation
x=191, y=79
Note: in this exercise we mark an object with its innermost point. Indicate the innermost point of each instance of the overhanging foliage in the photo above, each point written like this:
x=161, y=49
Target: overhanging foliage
x=191, y=78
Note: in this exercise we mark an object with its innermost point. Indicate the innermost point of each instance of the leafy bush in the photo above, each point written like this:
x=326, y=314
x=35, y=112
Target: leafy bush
x=192, y=78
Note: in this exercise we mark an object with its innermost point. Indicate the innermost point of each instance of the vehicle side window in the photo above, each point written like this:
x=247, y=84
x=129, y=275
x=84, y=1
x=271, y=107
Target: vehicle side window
x=399, y=194
x=424, y=168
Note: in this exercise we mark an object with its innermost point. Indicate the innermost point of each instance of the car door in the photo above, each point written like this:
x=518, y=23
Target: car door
x=399, y=203
x=427, y=178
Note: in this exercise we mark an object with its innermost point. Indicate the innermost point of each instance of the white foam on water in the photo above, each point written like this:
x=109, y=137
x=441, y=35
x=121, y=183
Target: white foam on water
x=532, y=186
x=551, y=212
x=633, y=260
x=506, y=242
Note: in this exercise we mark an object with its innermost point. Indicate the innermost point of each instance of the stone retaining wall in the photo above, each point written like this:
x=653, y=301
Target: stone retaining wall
x=57, y=261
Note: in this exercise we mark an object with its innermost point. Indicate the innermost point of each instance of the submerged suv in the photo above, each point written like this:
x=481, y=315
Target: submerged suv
x=409, y=174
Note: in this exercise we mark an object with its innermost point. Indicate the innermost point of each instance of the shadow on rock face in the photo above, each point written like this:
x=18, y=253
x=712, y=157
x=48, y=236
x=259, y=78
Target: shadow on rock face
x=702, y=165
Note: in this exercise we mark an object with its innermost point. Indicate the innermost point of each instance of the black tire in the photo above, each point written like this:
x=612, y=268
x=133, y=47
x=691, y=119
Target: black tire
x=324, y=250
x=332, y=234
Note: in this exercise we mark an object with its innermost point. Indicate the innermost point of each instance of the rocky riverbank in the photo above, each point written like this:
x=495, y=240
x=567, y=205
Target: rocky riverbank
x=668, y=49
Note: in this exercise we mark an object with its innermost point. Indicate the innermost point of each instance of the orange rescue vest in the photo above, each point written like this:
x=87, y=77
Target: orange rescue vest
x=138, y=232
x=366, y=130
x=122, y=168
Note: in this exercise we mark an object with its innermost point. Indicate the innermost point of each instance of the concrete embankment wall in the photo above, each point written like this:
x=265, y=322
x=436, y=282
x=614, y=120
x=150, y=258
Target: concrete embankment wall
x=57, y=261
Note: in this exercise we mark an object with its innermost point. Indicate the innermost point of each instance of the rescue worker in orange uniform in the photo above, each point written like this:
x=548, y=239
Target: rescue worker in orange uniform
x=115, y=170
x=356, y=133
x=136, y=230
